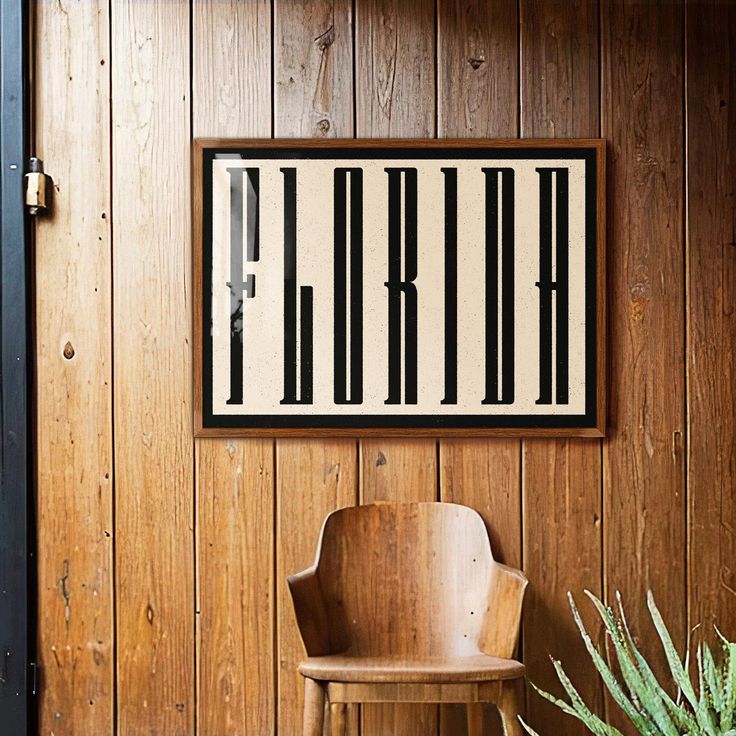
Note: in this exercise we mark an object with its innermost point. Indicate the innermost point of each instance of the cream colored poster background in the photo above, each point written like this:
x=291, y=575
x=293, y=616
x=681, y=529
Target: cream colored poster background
x=263, y=315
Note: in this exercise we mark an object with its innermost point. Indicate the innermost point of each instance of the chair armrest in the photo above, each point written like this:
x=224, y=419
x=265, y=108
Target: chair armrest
x=503, y=620
x=311, y=614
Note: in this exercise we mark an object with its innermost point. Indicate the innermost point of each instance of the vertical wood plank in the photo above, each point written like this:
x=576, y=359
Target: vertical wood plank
x=313, y=478
x=562, y=478
x=153, y=412
x=231, y=99
x=486, y=476
x=395, y=69
x=395, y=75
x=643, y=455
x=313, y=69
x=711, y=285
x=392, y=470
x=562, y=552
x=477, y=69
x=313, y=97
x=74, y=384
x=478, y=95
x=235, y=490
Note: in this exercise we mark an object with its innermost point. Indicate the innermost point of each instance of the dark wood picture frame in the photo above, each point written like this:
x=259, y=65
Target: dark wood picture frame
x=594, y=428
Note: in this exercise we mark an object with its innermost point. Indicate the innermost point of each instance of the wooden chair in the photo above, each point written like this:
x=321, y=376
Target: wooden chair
x=405, y=603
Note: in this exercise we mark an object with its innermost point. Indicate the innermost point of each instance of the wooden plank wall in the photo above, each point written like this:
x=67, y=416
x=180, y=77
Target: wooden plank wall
x=73, y=271
x=162, y=602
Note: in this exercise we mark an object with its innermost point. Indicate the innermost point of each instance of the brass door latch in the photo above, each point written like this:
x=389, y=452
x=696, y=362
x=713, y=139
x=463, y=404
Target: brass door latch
x=37, y=186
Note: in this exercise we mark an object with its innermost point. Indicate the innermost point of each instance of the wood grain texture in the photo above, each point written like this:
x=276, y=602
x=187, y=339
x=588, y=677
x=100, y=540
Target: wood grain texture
x=711, y=343
x=478, y=95
x=313, y=479
x=235, y=486
x=485, y=475
x=408, y=600
x=393, y=470
x=477, y=74
x=644, y=456
x=393, y=669
x=341, y=692
x=313, y=69
x=231, y=99
x=560, y=80
x=313, y=96
x=389, y=143
x=152, y=342
x=235, y=507
x=562, y=492
x=314, y=709
x=562, y=478
x=396, y=586
x=74, y=373
x=395, y=74
x=395, y=69
x=398, y=470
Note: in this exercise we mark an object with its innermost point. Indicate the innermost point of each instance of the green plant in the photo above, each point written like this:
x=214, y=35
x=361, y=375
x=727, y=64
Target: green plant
x=706, y=710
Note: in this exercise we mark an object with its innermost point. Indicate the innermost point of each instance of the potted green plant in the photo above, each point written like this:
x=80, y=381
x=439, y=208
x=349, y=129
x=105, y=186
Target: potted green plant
x=707, y=708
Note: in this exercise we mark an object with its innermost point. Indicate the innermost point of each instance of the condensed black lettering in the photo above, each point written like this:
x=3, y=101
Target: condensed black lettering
x=241, y=288
x=499, y=345
x=553, y=208
x=450, y=175
x=292, y=310
x=348, y=264
x=402, y=270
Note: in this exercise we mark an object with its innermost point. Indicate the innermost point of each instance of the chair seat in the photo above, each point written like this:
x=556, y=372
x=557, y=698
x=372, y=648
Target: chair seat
x=476, y=668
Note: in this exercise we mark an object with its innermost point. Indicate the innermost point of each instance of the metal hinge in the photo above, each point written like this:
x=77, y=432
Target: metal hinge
x=37, y=186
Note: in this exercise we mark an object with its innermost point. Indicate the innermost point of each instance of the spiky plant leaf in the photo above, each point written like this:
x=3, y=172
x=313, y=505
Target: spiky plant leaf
x=617, y=693
x=584, y=713
x=703, y=713
x=646, y=697
x=710, y=712
x=728, y=713
x=673, y=658
x=713, y=679
x=592, y=723
x=527, y=728
x=679, y=715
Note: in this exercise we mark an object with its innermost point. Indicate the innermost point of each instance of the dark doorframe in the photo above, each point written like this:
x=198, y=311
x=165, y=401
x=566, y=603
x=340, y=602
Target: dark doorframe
x=16, y=624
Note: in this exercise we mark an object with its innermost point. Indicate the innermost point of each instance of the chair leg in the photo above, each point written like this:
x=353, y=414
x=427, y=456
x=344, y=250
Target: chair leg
x=475, y=718
x=314, y=707
x=338, y=719
x=509, y=706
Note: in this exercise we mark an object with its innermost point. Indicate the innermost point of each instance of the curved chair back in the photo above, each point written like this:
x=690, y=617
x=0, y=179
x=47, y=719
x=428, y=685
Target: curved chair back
x=405, y=579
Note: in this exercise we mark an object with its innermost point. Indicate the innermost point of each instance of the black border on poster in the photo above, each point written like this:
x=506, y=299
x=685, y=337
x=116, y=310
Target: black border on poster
x=588, y=420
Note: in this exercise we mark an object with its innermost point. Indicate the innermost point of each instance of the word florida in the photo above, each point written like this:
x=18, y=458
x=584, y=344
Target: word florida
x=496, y=256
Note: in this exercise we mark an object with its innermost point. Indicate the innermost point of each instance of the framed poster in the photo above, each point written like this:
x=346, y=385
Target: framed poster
x=399, y=287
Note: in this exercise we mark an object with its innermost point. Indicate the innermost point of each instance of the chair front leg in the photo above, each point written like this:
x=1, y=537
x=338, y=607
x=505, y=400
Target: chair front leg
x=510, y=705
x=338, y=719
x=314, y=707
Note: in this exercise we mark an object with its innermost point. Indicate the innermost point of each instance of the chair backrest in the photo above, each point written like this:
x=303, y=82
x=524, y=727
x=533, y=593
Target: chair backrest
x=405, y=579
